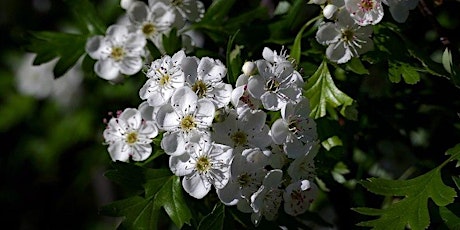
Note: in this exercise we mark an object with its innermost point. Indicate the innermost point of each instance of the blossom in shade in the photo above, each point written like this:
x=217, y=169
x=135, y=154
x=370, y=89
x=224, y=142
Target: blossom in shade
x=184, y=10
x=345, y=39
x=298, y=196
x=266, y=201
x=128, y=136
x=399, y=9
x=205, y=164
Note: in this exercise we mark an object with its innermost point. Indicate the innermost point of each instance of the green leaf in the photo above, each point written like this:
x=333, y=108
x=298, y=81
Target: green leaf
x=356, y=65
x=127, y=175
x=86, y=14
x=172, y=42
x=412, y=209
x=139, y=213
x=234, y=61
x=68, y=48
x=171, y=199
x=450, y=215
x=214, y=220
x=217, y=11
x=454, y=153
x=296, y=49
x=408, y=73
x=324, y=96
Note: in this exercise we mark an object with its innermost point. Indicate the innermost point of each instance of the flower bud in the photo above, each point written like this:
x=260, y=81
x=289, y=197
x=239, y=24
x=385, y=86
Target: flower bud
x=249, y=68
x=329, y=11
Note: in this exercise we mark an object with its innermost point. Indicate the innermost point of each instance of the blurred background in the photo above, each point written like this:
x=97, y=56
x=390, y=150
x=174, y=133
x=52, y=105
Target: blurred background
x=52, y=157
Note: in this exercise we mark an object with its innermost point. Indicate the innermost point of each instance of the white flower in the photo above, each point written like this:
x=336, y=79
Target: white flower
x=204, y=164
x=185, y=10
x=247, y=129
x=129, y=137
x=242, y=100
x=365, y=12
x=273, y=57
x=298, y=196
x=119, y=51
x=247, y=174
x=165, y=76
x=275, y=85
x=185, y=117
x=267, y=200
x=205, y=78
x=345, y=39
x=399, y=9
x=151, y=20
x=295, y=130
x=303, y=168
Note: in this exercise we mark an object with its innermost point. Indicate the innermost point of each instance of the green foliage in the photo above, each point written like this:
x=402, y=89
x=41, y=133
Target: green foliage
x=412, y=208
x=324, y=96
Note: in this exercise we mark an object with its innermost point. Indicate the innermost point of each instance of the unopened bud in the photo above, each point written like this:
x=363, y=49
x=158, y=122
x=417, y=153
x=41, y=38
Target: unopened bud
x=329, y=11
x=249, y=68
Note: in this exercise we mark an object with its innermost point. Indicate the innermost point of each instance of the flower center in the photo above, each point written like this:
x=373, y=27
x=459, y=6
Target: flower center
x=199, y=88
x=203, y=164
x=347, y=35
x=188, y=123
x=176, y=2
x=164, y=79
x=239, y=138
x=131, y=138
x=366, y=5
x=272, y=85
x=244, y=179
x=148, y=29
x=117, y=53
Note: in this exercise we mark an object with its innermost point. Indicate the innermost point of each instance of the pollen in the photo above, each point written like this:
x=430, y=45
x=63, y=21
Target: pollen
x=131, y=138
x=165, y=79
x=200, y=88
x=148, y=29
x=239, y=138
x=203, y=164
x=366, y=5
x=188, y=123
x=117, y=53
x=347, y=35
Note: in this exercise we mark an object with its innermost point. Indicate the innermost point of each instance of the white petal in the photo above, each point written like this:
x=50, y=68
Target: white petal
x=141, y=152
x=195, y=186
x=173, y=144
x=211, y=70
x=338, y=53
x=180, y=165
x=131, y=65
x=279, y=131
x=184, y=100
x=256, y=86
x=230, y=194
x=95, y=47
x=132, y=117
x=138, y=12
x=106, y=69
x=205, y=112
x=119, y=151
x=271, y=101
x=327, y=33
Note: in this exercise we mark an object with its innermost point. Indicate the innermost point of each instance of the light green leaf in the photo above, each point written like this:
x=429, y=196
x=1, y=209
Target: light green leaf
x=296, y=49
x=447, y=60
x=356, y=65
x=214, y=220
x=170, y=197
x=399, y=69
x=324, y=96
x=454, y=153
x=234, y=61
x=412, y=209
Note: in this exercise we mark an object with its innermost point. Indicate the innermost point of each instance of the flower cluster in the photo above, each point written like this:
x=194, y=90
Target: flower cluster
x=348, y=27
x=219, y=137
x=123, y=49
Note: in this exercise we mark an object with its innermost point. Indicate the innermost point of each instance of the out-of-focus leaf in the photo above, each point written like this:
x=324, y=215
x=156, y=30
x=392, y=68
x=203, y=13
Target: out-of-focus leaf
x=454, y=153
x=127, y=175
x=404, y=70
x=214, y=220
x=324, y=96
x=450, y=215
x=172, y=42
x=234, y=62
x=68, y=48
x=86, y=14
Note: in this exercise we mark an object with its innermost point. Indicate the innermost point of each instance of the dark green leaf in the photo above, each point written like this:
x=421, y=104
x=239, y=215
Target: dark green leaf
x=234, y=62
x=127, y=175
x=172, y=42
x=87, y=15
x=214, y=220
x=451, y=215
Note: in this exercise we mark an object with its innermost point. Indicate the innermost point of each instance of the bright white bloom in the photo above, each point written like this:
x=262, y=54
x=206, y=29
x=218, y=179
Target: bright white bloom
x=275, y=85
x=185, y=10
x=165, y=76
x=205, y=78
x=298, y=196
x=345, y=39
x=185, y=118
x=205, y=164
x=399, y=9
x=249, y=68
x=151, y=21
x=246, y=130
x=365, y=12
x=273, y=57
x=247, y=174
x=267, y=200
x=119, y=51
x=303, y=168
x=242, y=100
x=128, y=136
x=295, y=130
x=125, y=4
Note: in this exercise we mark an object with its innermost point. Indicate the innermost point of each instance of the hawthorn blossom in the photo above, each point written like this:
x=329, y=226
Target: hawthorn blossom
x=205, y=164
x=245, y=130
x=151, y=21
x=365, y=12
x=345, y=39
x=399, y=9
x=247, y=173
x=185, y=118
x=267, y=199
x=165, y=76
x=303, y=168
x=204, y=76
x=295, y=130
x=119, y=51
x=184, y=10
x=129, y=137
x=298, y=196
